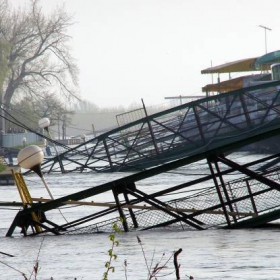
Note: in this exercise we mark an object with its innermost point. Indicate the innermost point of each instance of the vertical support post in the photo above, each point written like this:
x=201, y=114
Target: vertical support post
x=60, y=164
x=245, y=109
x=219, y=192
x=198, y=124
x=252, y=198
x=135, y=223
x=124, y=222
x=58, y=126
x=93, y=130
x=26, y=200
x=150, y=128
x=108, y=154
x=57, y=154
x=224, y=189
x=64, y=127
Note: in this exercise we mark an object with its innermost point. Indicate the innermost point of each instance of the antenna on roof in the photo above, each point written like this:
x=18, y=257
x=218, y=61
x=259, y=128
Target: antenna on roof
x=265, y=28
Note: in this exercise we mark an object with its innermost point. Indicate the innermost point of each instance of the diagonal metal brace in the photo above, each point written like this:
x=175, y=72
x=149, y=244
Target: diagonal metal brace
x=250, y=173
x=164, y=208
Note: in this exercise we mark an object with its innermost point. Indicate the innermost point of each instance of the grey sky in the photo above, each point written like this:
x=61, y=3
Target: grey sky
x=132, y=49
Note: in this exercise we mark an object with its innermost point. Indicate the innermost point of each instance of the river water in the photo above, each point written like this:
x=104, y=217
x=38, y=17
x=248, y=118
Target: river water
x=211, y=254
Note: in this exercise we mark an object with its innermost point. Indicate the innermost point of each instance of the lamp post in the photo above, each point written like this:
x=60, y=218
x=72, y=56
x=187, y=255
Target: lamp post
x=44, y=123
x=83, y=137
x=23, y=141
x=31, y=158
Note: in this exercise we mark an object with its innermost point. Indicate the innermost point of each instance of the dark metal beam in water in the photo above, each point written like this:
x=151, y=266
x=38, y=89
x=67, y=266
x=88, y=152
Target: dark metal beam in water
x=130, y=179
x=258, y=221
x=126, y=183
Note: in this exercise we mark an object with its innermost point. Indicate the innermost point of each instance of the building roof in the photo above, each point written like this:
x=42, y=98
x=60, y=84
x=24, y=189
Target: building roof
x=267, y=60
x=225, y=86
x=237, y=83
x=242, y=65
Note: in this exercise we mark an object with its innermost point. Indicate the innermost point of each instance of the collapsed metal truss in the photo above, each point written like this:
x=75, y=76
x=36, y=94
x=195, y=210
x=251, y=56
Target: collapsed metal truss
x=185, y=130
x=245, y=202
x=249, y=201
x=205, y=130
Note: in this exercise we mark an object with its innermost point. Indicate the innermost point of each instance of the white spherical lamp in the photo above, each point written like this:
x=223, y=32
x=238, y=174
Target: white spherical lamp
x=44, y=123
x=31, y=157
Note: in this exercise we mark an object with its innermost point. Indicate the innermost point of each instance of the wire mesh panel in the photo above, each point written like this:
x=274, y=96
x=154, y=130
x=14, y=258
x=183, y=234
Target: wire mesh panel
x=246, y=198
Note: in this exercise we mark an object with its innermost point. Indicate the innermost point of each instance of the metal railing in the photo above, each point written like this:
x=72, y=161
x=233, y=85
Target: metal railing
x=228, y=120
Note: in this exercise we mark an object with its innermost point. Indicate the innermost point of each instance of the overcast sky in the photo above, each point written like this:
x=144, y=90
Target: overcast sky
x=132, y=49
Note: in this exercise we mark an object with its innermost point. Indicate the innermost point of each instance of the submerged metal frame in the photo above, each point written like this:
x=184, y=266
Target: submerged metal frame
x=186, y=217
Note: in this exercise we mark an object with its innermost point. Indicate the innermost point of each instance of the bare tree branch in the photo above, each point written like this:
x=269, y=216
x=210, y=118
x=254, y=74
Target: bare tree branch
x=39, y=56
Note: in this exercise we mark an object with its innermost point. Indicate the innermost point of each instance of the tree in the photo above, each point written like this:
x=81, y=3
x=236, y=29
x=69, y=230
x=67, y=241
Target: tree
x=54, y=109
x=4, y=51
x=29, y=110
x=37, y=52
x=22, y=113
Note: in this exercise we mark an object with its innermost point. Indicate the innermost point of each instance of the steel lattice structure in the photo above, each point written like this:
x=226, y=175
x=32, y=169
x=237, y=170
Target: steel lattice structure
x=249, y=201
x=230, y=119
x=204, y=130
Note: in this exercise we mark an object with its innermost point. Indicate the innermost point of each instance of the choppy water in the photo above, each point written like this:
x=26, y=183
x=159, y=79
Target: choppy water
x=211, y=254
